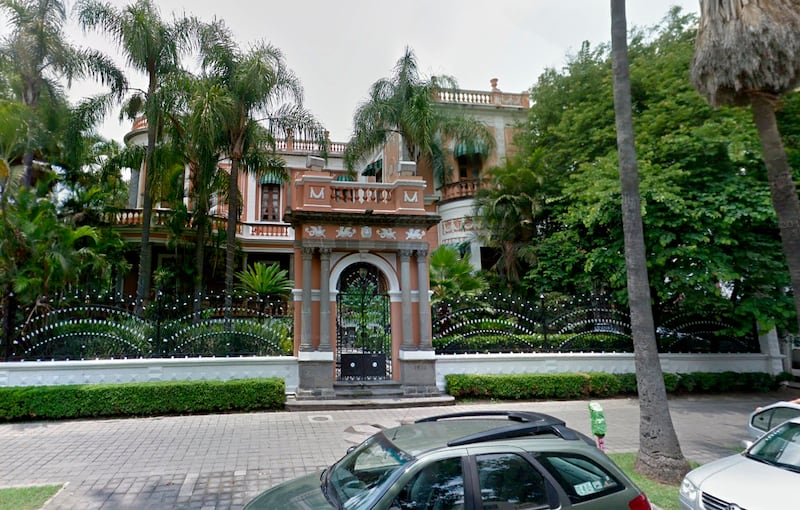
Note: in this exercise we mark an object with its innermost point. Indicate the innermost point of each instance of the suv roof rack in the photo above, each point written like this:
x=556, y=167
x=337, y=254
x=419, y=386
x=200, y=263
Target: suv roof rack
x=519, y=416
x=528, y=424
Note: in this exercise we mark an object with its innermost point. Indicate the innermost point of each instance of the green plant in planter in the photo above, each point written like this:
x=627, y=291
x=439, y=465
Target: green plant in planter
x=266, y=282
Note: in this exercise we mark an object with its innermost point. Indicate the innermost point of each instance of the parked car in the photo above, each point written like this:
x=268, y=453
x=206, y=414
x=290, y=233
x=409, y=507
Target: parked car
x=466, y=461
x=764, y=418
x=764, y=477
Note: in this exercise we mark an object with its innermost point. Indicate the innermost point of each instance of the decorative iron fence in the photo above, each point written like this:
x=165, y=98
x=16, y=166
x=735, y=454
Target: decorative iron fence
x=497, y=323
x=105, y=326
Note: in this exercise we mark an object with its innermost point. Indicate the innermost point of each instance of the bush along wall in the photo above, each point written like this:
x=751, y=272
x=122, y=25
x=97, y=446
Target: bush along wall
x=141, y=399
x=598, y=385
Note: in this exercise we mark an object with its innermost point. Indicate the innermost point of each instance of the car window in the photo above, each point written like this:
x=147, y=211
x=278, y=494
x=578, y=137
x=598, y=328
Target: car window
x=580, y=477
x=774, y=417
x=780, y=447
x=438, y=486
x=362, y=473
x=508, y=481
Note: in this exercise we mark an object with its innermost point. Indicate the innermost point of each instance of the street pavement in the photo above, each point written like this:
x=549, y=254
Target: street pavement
x=216, y=462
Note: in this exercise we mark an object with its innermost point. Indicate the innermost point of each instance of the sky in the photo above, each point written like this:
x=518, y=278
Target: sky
x=339, y=48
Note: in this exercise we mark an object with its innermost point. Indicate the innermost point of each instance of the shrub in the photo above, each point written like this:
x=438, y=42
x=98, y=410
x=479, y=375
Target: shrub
x=597, y=385
x=141, y=399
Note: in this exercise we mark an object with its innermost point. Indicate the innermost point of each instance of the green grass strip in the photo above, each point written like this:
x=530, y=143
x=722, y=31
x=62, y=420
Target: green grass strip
x=27, y=498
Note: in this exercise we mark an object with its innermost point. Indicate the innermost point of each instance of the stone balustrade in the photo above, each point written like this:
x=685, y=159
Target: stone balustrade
x=323, y=193
x=482, y=97
x=461, y=189
x=308, y=146
x=133, y=217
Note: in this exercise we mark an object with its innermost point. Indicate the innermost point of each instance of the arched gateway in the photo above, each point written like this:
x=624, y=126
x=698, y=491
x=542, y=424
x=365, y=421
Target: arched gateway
x=363, y=325
x=361, y=299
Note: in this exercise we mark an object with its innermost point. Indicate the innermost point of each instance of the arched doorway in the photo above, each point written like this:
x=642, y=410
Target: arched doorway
x=363, y=325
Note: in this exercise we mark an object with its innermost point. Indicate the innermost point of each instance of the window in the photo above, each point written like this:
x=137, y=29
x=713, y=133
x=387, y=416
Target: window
x=580, y=477
x=439, y=486
x=507, y=481
x=270, y=202
x=765, y=420
x=469, y=166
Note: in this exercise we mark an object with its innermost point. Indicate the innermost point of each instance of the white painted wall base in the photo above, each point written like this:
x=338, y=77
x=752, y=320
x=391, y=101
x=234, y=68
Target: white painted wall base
x=43, y=373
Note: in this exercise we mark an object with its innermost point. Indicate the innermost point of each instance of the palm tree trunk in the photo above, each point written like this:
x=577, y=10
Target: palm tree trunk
x=9, y=313
x=660, y=455
x=781, y=186
x=145, y=252
x=230, y=248
x=200, y=240
x=27, y=161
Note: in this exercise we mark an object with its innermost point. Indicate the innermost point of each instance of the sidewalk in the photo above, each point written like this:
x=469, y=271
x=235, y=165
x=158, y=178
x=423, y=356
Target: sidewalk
x=216, y=462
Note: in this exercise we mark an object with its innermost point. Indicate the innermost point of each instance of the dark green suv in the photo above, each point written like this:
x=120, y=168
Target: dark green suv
x=499, y=460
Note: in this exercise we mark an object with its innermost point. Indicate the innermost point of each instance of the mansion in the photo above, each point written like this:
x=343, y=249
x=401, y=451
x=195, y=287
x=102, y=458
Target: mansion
x=356, y=245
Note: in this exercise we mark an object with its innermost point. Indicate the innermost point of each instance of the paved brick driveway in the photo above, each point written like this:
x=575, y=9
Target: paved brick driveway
x=220, y=461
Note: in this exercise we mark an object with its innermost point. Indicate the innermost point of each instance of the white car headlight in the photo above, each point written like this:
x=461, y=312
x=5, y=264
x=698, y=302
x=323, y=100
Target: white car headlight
x=689, y=490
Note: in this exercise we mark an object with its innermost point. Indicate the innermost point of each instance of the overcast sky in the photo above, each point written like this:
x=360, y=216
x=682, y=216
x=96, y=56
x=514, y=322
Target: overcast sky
x=339, y=48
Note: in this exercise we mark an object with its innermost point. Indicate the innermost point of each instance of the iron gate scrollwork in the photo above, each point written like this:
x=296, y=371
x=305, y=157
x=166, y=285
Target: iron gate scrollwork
x=363, y=326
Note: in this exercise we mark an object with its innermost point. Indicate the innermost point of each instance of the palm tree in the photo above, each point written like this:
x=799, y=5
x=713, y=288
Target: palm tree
x=38, y=53
x=194, y=132
x=257, y=83
x=266, y=282
x=453, y=277
x=154, y=47
x=659, y=455
x=405, y=104
x=749, y=53
x=510, y=214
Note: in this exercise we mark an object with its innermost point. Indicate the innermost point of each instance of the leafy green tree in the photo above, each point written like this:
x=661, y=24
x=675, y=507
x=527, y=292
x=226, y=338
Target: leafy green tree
x=659, y=455
x=39, y=55
x=258, y=87
x=153, y=46
x=404, y=104
x=766, y=39
x=40, y=255
x=710, y=230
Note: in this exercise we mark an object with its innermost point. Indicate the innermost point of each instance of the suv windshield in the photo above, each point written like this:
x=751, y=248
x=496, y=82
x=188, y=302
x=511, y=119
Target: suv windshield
x=362, y=472
x=780, y=447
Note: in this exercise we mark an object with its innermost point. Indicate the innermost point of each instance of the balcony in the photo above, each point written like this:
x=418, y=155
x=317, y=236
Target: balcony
x=321, y=193
x=494, y=98
x=161, y=217
x=466, y=188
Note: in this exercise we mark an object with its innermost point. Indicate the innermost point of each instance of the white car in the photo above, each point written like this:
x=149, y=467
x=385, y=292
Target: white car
x=767, y=417
x=766, y=476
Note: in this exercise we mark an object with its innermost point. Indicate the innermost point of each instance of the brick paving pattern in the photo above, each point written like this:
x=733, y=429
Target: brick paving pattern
x=216, y=462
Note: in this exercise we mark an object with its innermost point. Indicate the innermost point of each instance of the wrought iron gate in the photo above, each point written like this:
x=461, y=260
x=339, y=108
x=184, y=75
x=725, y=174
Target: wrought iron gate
x=363, y=325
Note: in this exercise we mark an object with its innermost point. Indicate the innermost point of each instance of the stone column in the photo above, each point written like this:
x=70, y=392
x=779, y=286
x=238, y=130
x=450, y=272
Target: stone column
x=305, y=311
x=325, y=300
x=405, y=289
x=424, y=300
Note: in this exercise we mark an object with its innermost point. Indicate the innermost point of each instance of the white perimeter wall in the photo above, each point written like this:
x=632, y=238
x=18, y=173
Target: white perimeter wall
x=41, y=373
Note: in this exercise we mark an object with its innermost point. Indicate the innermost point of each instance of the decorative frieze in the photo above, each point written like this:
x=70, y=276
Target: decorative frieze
x=414, y=233
x=387, y=233
x=315, y=231
x=345, y=232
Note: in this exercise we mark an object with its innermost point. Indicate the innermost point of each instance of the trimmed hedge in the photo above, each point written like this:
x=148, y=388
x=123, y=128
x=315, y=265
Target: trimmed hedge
x=141, y=399
x=598, y=385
